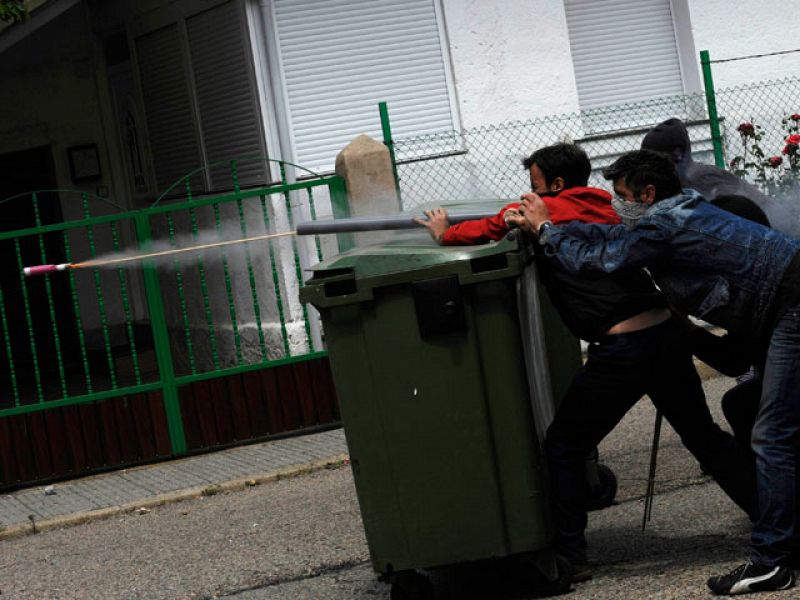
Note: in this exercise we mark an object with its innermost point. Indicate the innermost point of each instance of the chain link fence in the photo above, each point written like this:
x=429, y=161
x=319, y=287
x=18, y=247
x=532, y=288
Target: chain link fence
x=486, y=162
x=472, y=165
x=761, y=134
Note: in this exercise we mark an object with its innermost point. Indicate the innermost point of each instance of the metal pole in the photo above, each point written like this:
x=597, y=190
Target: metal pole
x=386, y=127
x=158, y=321
x=341, y=210
x=711, y=102
x=651, y=475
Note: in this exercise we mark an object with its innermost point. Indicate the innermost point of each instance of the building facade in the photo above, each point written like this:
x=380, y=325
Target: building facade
x=163, y=87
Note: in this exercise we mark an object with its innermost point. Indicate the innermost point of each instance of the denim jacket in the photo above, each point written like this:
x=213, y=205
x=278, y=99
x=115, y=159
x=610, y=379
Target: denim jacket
x=707, y=262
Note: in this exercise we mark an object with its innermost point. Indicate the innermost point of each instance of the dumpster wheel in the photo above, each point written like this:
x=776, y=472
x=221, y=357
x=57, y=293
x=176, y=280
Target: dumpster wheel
x=602, y=493
x=411, y=585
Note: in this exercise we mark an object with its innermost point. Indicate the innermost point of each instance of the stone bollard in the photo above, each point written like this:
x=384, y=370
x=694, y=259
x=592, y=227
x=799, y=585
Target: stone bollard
x=366, y=167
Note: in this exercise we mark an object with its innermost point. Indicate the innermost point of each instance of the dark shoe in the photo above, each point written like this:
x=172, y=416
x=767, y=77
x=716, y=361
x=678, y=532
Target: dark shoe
x=580, y=567
x=581, y=572
x=749, y=578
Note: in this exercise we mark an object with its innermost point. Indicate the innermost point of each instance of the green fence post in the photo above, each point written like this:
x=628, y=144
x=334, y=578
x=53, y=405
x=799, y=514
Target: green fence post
x=386, y=127
x=711, y=101
x=158, y=322
x=341, y=210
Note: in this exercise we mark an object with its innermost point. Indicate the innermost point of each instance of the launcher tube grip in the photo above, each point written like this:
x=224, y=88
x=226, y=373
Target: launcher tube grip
x=378, y=223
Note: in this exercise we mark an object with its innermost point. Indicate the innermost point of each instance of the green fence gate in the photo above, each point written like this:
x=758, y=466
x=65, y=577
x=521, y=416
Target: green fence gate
x=128, y=362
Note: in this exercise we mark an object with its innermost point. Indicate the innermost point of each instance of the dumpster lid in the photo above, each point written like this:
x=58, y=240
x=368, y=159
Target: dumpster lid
x=352, y=275
x=406, y=254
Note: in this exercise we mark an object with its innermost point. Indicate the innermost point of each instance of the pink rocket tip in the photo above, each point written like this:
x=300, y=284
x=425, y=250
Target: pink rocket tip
x=42, y=269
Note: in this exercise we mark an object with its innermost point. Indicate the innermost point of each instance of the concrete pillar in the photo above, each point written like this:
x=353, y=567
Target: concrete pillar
x=366, y=167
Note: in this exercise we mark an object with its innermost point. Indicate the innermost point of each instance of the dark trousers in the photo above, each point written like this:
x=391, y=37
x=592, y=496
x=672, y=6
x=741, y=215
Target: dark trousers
x=775, y=441
x=619, y=371
x=740, y=407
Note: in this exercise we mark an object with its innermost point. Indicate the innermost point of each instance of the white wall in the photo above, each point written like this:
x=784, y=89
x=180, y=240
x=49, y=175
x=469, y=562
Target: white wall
x=745, y=27
x=511, y=59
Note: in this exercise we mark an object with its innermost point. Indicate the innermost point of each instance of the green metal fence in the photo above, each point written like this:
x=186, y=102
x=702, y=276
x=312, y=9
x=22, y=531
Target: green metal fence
x=759, y=127
x=485, y=162
x=97, y=332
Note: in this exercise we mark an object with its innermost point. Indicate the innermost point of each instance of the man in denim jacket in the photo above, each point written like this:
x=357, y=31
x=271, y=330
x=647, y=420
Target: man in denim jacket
x=732, y=273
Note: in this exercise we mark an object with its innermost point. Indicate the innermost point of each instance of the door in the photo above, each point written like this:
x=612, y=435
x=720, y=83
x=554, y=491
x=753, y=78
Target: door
x=22, y=172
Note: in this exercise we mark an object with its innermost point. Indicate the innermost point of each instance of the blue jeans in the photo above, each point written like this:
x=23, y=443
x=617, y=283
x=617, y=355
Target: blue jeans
x=775, y=440
x=619, y=371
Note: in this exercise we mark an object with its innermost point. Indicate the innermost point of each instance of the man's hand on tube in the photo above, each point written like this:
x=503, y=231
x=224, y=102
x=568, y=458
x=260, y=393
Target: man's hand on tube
x=436, y=223
x=514, y=218
x=534, y=212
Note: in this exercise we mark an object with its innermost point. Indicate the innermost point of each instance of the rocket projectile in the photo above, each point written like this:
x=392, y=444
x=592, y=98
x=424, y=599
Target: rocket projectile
x=42, y=269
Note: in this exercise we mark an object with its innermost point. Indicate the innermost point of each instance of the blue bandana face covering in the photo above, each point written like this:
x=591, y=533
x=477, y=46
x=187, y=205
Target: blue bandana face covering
x=630, y=212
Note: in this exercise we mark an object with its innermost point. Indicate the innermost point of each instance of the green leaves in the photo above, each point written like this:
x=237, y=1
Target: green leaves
x=13, y=10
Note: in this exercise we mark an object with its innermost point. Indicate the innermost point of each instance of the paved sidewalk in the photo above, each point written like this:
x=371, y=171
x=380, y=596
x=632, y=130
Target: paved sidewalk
x=127, y=490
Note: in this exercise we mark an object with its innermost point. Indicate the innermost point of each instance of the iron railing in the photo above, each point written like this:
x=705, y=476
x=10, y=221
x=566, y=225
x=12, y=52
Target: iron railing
x=155, y=325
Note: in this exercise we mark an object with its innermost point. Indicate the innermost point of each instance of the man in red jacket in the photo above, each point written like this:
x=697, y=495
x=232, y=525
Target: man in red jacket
x=636, y=347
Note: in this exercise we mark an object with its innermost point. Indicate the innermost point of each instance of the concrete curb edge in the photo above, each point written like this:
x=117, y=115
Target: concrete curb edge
x=210, y=489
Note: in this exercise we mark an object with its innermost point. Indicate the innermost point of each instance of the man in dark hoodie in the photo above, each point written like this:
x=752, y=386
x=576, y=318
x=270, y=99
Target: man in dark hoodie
x=672, y=138
x=636, y=348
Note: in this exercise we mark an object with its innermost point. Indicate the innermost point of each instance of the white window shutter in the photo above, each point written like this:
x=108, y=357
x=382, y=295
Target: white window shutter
x=230, y=122
x=341, y=57
x=623, y=51
x=170, y=123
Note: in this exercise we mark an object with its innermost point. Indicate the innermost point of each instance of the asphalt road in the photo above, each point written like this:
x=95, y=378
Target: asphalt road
x=302, y=539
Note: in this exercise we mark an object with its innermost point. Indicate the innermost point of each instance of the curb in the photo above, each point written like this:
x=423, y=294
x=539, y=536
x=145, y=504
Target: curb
x=211, y=489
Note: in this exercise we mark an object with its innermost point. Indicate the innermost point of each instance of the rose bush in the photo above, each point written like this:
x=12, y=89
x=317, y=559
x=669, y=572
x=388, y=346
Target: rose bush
x=772, y=172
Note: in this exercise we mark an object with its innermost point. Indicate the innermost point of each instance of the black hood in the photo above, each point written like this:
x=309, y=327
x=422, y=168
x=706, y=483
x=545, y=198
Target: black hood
x=669, y=137
x=672, y=138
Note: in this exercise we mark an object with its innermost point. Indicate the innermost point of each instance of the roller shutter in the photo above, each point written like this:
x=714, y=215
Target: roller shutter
x=623, y=51
x=168, y=105
x=341, y=57
x=200, y=98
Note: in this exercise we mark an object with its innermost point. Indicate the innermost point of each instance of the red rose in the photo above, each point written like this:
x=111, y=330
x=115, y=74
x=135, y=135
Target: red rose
x=795, y=117
x=790, y=149
x=793, y=139
x=775, y=161
x=746, y=129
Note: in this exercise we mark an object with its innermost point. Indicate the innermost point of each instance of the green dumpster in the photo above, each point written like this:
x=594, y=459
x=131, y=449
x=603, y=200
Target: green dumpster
x=429, y=363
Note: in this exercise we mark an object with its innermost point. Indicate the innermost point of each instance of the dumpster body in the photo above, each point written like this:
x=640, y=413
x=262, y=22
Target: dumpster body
x=429, y=366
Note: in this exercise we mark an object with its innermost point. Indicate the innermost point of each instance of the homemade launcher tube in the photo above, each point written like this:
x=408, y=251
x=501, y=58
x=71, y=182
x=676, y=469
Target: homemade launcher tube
x=379, y=223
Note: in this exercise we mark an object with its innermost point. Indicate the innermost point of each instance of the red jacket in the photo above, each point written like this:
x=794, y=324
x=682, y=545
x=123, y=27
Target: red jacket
x=585, y=204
